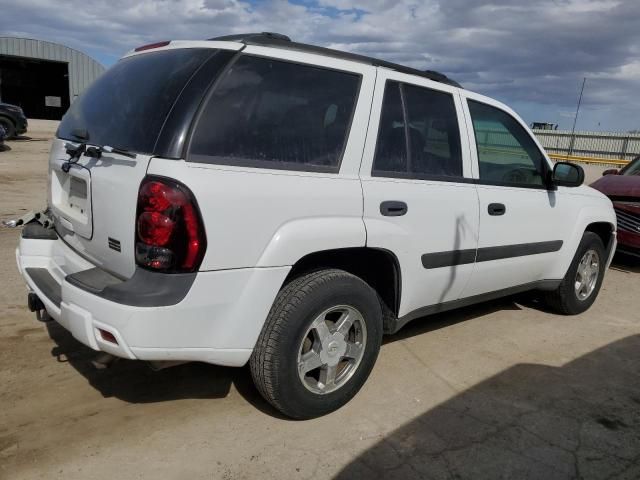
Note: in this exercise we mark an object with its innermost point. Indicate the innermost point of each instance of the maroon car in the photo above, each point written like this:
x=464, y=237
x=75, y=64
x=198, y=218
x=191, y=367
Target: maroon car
x=623, y=188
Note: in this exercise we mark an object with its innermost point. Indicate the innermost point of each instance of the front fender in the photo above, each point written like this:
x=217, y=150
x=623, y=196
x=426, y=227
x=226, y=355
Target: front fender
x=594, y=209
x=297, y=238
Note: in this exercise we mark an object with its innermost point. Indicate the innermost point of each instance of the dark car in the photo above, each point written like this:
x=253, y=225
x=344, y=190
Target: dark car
x=623, y=188
x=12, y=119
x=3, y=134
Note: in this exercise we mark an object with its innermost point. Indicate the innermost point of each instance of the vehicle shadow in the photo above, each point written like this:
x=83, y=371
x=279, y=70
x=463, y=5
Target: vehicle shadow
x=135, y=382
x=437, y=321
x=580, y=420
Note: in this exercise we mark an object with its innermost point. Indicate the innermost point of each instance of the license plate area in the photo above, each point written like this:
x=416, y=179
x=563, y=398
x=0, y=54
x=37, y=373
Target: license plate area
x=71, y=199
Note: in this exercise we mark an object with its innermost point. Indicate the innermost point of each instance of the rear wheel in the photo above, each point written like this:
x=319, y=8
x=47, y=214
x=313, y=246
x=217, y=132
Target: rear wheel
x=319, y=343
x=10, y=129
x=581, y=284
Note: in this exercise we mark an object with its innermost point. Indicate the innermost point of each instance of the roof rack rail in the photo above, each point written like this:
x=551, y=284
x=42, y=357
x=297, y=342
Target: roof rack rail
x=270, y=39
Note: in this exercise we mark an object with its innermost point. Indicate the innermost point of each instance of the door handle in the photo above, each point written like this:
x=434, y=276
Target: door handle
x=393, y=208
x=496, y=209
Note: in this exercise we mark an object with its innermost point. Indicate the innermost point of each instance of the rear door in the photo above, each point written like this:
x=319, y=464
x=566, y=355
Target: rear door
x=419, y=199
x=523, y=224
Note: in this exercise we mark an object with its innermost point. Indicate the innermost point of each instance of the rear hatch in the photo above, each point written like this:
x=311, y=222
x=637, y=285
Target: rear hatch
x=94, y=202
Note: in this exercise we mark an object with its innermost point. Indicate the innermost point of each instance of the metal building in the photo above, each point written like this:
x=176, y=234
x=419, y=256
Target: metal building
x=43, y=77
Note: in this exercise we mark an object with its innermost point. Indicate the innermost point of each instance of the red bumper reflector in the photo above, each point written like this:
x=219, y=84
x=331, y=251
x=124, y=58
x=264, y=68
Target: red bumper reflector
x=108, y=336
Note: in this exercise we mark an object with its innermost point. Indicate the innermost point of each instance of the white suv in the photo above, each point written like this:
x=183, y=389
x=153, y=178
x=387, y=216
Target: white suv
x=252, y=199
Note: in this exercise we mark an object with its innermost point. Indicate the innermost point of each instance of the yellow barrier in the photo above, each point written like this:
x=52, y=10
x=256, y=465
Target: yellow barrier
x=574, y=158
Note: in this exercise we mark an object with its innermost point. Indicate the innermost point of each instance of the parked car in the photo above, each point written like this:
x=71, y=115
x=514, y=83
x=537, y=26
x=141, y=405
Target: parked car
x=250, y=199
x=12, y=119
x=623, y=188
x=3, y=134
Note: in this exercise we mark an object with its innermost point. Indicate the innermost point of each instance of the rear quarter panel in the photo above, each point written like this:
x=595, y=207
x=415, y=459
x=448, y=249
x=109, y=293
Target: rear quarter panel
x=257, y=217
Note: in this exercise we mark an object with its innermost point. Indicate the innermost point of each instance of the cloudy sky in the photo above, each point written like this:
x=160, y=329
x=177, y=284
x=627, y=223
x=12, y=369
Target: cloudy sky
x=531, y=54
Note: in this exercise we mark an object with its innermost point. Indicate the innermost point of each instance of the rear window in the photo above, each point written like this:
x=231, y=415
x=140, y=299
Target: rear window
x=127, y=106
x=276, y=114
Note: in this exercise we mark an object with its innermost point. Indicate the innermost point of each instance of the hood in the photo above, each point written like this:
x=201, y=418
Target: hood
x=618, y=185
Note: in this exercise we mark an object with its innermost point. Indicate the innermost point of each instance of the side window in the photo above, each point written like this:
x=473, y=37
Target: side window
x=418, y=135
x=276, y=114
x=506, y=152
x=391, y=147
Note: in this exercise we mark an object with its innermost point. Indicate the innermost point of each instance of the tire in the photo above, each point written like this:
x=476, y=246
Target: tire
x=10, y=129
x=317, y=298
x=567, y=298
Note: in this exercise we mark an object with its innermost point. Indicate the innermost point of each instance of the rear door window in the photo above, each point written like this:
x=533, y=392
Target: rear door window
x=276, y=114
x=418, y=135
x=127, y=105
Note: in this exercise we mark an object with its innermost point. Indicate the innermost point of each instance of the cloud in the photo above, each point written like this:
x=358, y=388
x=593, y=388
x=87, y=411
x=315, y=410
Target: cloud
x=523, y=52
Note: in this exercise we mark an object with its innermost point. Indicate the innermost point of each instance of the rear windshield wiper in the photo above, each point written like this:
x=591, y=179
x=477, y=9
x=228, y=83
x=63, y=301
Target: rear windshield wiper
x=76, y=151
x=119, y=151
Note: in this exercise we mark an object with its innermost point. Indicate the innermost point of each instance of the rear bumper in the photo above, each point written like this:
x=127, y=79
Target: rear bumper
x=216, y=320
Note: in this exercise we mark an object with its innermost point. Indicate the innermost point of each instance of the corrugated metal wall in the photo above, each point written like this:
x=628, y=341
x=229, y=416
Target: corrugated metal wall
x=83, y=70
x=614, y=146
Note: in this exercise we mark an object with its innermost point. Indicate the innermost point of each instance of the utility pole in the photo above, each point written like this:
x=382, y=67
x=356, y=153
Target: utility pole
x=575, y=119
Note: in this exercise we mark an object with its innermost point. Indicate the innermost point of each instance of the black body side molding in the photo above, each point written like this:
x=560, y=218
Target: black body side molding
x=486, y=254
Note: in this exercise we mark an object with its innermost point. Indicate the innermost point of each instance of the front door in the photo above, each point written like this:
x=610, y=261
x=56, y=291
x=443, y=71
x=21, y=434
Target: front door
x=419, y=199
x=522, y=223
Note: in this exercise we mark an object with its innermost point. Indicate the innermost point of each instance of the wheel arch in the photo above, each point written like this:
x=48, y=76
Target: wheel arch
x=8, y=118
x=604, y=230
x=379, y=268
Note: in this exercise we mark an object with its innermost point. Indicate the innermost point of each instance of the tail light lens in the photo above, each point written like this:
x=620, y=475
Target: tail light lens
x=170, y=234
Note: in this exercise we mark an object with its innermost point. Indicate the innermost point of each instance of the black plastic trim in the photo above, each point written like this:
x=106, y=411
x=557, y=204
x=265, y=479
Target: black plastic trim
x=496, y=209
x=487, y=254
x=393, y=208
x=173, y=135
x=35, y=231
x=545, y=285
x=46, y=283
x=448, y=259
x=143, y=289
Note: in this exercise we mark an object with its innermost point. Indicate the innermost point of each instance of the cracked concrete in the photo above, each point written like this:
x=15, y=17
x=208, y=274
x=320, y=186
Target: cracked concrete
x=499, y=390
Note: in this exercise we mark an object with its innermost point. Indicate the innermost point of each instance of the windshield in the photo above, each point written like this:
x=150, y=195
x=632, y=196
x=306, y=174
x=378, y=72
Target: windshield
x=633, y=168
x=127, y=106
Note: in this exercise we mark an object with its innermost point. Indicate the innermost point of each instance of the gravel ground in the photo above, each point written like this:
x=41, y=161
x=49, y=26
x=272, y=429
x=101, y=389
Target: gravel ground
x=499, y=390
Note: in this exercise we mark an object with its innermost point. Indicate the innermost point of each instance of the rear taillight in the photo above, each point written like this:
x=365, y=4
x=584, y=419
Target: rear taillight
x=169, y=231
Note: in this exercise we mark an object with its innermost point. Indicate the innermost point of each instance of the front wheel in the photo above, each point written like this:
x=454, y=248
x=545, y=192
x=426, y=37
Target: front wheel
x=319, y=343
x=581, y=284
x=9, y=129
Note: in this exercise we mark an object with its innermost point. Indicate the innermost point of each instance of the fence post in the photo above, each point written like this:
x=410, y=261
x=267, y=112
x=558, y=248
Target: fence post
x=625, y=146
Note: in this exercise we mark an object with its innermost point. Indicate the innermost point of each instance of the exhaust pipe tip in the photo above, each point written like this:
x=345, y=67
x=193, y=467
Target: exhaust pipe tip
x=34, y=303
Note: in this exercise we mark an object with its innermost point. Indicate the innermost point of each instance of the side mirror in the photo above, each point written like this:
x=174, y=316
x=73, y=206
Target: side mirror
x=611, y=171
x=567, y=174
